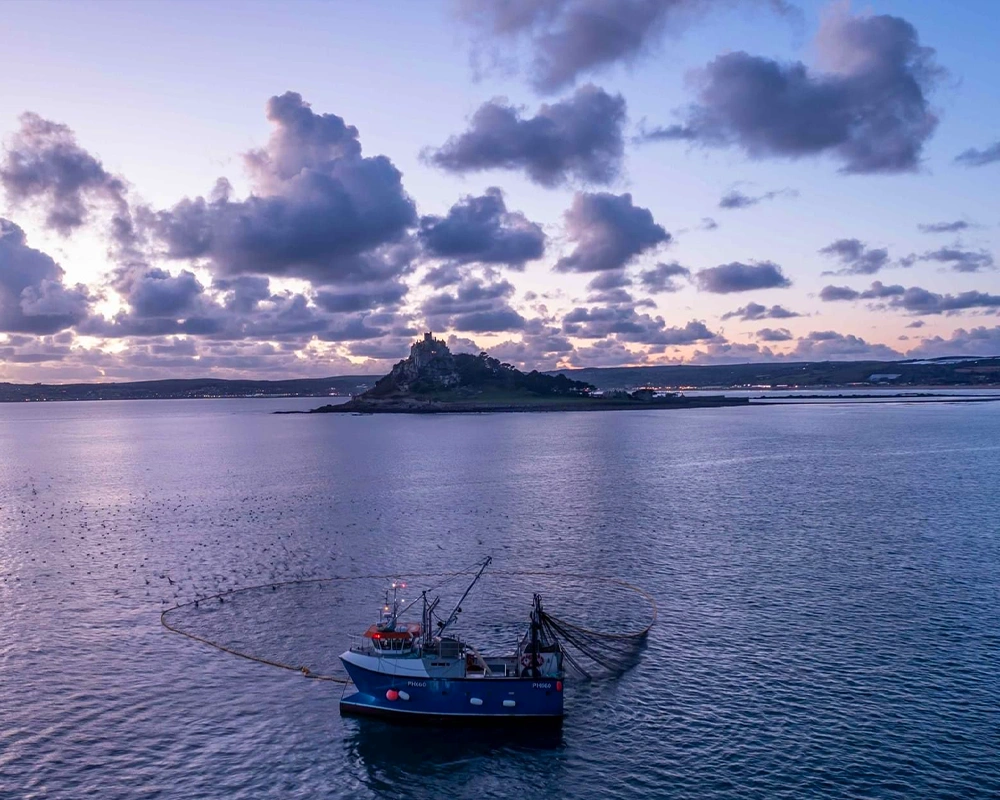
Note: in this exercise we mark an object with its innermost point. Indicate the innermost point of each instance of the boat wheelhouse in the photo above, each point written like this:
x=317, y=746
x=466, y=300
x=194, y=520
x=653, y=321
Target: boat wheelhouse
x=420, y=671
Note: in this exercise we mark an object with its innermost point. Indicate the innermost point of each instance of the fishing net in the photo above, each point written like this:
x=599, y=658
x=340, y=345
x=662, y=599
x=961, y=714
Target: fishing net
x=304, y=625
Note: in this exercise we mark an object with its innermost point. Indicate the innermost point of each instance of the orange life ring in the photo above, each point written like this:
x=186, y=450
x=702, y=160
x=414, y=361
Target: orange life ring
x=531, y=660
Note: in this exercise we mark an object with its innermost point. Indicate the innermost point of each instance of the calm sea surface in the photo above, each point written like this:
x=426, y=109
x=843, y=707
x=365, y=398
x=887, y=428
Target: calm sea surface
x=828, y=583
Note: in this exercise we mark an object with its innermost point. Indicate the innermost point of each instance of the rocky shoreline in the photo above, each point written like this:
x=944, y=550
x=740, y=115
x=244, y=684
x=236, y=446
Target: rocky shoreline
x=416, y=406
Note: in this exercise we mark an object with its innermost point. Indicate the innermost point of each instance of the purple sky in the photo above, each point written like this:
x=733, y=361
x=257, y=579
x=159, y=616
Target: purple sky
x=280, y=190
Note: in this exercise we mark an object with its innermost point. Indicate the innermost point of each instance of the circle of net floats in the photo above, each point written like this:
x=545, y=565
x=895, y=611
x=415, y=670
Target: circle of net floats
x=304, y=625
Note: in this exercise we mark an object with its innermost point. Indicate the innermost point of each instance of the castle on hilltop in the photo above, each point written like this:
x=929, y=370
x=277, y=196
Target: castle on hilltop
x=424, y=351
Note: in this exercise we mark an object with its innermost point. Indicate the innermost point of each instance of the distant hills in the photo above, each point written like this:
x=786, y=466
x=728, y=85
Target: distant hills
x=186, y=389
x=945, y=372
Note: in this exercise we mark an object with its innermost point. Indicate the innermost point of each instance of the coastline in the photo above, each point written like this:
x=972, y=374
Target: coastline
x=414, y=406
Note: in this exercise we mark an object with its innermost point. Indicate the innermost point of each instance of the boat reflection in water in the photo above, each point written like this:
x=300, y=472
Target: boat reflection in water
x=418, y=671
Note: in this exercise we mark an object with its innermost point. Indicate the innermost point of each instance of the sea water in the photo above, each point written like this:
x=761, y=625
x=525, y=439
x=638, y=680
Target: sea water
x=827, y=580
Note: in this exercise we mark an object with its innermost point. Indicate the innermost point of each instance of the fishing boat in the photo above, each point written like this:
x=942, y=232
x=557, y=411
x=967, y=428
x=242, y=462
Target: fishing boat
x=422, y=671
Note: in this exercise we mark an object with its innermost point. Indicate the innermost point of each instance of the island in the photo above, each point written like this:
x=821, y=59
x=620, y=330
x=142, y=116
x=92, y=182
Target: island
x=433, y=380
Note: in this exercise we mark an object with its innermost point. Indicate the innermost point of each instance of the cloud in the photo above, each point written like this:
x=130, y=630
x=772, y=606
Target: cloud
x=755, y=311
x=869, y=109
x=740, y=277
x=540, y=349
x=578, y=138
x=494, y=321
x=33, y=297
x=857, y=257
x=245, y=293
x=979, y=158
x=979, y=341
x=661, y=278
x=914, y=299
x=624, y=323
x=43, y=163
x=361, y=298
x=481, y=229
x=606, y=353
x=734, y=198
x=774, y=335
x=708, y=224
x=474, y=306
x=157, y=293
x=834, y=346
x=920, y=301
x=319, y=210
x=960, y=260
x=944, y=227
x=568, y=38
x=724, y=352
x=444, y=275
x=609, y=232
x=877, y=291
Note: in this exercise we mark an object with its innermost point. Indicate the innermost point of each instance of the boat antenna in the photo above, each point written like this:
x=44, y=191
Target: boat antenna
x=458, y=606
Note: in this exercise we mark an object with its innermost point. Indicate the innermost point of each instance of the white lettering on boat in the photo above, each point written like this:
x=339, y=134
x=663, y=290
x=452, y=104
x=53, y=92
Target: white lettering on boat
x=418, y=684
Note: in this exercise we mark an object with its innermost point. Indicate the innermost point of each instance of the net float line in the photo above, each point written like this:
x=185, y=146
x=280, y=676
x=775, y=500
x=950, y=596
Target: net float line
x=306, y=672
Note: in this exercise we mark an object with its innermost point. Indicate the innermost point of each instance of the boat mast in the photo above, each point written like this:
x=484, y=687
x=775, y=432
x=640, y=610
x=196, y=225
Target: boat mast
x=458, y=606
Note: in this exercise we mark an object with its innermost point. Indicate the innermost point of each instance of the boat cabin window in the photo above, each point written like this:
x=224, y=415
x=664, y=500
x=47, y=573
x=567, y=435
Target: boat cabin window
x=394, y=645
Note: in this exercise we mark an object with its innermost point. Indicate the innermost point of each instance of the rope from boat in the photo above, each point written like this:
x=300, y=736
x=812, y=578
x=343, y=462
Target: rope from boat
x=306, y=672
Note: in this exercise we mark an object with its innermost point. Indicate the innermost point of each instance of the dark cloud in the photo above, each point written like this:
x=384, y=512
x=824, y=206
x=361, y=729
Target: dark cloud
x=755, y=311
x=33, y=297
x=319, y=211
x=736, y=199
x=708, y=224
x=915, y=299
x=869, y=109
x=44, y=164
x=157, y=293
x=857, y=257
x=960, y=260
x=979, y=341
x=474, y=306
x=917, y=323
x=774, y=335
x=609, y=232
x=355, y=329
x=568, y=38
x=920, y=301
x=834, y=346
x=878, y=291
x=661, y=278
x=725, y=352
x=627, y=325
x=606, y=353
x=612, y=279
x=979, y=158
x=944, y=227
x=444, y=275
x=739, y=277
x=361, y=298
x=245, y=293
x=578, y=138
x=833, y=293
x=481, y=229
x=501, y=319
x=539, y=349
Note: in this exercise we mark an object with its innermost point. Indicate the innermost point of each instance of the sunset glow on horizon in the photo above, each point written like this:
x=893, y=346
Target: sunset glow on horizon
x=268, y=190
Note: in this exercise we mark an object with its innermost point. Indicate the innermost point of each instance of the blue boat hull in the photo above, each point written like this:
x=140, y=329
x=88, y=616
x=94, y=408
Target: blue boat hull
x=465, y=700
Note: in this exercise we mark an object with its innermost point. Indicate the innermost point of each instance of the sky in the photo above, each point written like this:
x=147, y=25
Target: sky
x=274, y=190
